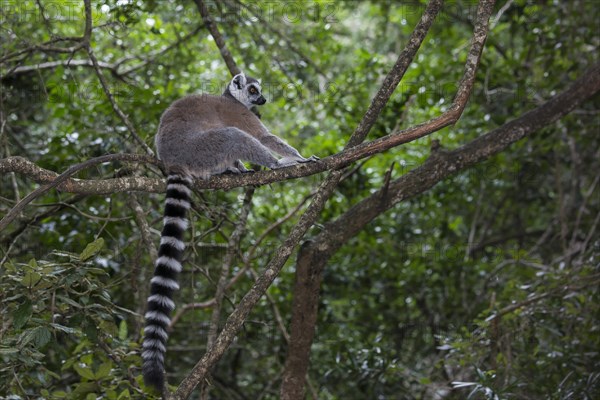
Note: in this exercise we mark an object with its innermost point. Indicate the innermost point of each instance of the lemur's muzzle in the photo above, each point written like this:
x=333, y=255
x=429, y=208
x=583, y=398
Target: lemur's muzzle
x=260, y=101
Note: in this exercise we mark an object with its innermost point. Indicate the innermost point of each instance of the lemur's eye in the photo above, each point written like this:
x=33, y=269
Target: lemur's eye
x=253, y=90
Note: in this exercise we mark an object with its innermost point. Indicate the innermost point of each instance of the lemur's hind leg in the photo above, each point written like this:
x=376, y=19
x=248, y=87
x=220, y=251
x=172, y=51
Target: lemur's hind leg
x=232, y=146
x=244, y=147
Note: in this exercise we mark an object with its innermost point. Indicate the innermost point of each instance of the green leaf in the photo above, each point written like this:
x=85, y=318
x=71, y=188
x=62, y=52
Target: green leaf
x=87, y=359
x=22, y=314
x=8, y=351
x=90, y=330
x=65, y=329
x=27, y=336
x=41, y=336
x=83, y=389
x=69, y=301
x=109, y=327
x=124, y=395
x=84, y=371
x=425, y=380
x=123, y=330
x=30, y=279
x=92, y=249
x=456, y=224
x=104, y=370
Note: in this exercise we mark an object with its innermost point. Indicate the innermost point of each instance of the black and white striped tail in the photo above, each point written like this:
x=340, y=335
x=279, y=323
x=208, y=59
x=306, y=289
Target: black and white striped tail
x=164, y=282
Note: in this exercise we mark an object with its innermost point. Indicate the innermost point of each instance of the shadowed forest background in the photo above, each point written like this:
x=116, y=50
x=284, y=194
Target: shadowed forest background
x=462, y=263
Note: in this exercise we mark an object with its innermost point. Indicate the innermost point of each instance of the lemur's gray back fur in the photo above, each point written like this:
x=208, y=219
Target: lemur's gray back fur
x=200, y=136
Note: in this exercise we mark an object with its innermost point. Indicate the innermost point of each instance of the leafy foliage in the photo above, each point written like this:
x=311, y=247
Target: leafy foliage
x=64, y=337
x=484, y=287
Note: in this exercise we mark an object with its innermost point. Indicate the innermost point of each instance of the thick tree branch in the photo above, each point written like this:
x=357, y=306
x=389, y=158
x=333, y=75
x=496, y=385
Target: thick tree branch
x=314, y=255
x=294, y=373
x=239, y=315
x=304, y=317
x=40, y=175
x=57, y=180
x=393, y=78
x=443, y=164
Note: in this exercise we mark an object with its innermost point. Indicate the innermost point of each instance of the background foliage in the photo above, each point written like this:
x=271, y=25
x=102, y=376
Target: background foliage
x=486, y=286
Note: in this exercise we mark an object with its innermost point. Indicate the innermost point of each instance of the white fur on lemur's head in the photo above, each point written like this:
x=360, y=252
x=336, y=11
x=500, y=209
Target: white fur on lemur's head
x=246, y=90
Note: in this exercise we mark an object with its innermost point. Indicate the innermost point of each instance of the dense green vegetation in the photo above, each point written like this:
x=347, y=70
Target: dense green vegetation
x=484, y=286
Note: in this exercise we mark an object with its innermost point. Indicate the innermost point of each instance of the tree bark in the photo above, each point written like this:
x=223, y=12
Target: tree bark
x=304, y=319
x=314, y=255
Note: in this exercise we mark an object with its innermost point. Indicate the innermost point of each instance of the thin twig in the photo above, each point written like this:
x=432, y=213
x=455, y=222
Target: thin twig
x=232, y=245
x=190, y=306
x=113, y=68
x=214, y=31
x=276, y=225
x=289, y=43
x=114, y=104
x=590, y=282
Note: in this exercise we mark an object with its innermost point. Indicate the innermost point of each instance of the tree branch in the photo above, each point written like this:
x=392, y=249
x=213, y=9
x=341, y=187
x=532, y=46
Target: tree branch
x=113, y=68
x=9, y=164
x=393, y=78
x=239, y=315
x=232, y=246
x=590, y=281
x=443, y=164
x=282, y=36
x=40, y=175
x=214, y=31
x=314, y=255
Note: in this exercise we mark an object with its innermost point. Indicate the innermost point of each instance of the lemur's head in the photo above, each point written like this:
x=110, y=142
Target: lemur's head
x=246, y=90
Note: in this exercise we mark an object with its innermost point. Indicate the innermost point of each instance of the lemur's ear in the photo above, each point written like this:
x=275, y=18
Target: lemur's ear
x=239, y=80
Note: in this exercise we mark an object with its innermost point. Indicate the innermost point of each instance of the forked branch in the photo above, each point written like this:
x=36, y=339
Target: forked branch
x=239, y=315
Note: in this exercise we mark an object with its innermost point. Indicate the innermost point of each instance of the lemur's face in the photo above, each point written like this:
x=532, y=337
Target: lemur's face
x=247, y=90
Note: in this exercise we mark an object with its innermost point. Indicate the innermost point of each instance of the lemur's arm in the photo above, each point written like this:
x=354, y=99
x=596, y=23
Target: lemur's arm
x=274, y=143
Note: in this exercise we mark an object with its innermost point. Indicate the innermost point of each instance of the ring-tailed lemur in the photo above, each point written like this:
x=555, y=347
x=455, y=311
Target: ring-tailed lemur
x=200, y=136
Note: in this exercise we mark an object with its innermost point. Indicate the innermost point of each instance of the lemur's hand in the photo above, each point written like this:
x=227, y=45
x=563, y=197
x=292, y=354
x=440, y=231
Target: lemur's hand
x=289, y=161
x=309, y=159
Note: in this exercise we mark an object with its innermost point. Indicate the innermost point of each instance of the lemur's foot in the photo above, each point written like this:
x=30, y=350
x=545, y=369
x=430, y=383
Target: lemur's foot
x=237, y=171
x=238, y=167
x=232, y=171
